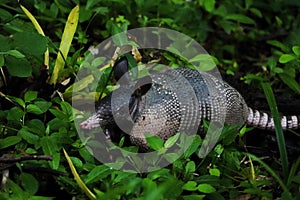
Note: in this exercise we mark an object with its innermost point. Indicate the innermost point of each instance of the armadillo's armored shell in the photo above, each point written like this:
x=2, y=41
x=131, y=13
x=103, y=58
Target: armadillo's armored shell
x=180, y=99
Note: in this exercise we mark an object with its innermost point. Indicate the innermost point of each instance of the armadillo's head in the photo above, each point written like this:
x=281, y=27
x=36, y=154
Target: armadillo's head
x=102, y=117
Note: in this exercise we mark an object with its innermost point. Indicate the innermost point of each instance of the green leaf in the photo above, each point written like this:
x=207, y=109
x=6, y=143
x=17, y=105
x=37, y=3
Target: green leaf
x=9, y=141
x=193, y=147
x=171, y=141
x=214, y=172
x=190, y=186
x=296, y=50
x=27, y=42
x=77, y=162
x=15, y=114
x=278, y=129
x=290, y=82
x=29, y=183
x=239, y=18
x=34, y=109
x=19, y=67
x=154, y=141
x=49, y=147
x=97, y=173
x=284, y=58
x=28, y=136
x=36, y=126
x=209, y=5
x=190, y=167
x=14, y=53
x=206, y=188
x=30, y=96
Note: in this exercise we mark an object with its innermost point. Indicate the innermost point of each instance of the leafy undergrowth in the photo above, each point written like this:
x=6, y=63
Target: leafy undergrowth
x=43, y=45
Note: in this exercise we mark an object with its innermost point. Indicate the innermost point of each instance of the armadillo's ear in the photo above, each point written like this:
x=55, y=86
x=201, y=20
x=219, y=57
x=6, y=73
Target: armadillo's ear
x=143, y=85
x=121, y=71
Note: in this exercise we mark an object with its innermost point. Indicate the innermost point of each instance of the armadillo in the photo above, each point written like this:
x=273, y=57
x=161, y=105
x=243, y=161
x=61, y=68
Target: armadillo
x=176, y=100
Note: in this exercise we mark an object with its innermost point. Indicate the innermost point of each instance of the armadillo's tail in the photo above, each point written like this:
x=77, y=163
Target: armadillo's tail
x=265, y=121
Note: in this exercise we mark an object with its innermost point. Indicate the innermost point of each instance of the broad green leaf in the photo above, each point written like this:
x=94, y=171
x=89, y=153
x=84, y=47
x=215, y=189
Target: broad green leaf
x=30, y=96
x=206, y=188
x=193, y=147
x=34, y=109
x=65, y=44
x=43, y=105
x=9, y=141
x=78, y=179
x=209, y=5
x=190, y=186
x=36, y=126
x=39, y=30
x=15, y=114
x=28, y=136
x=171, y=141
x=284, y=58
x=19, y=67
x=27, y=42
x=154, y=142
x=240, y=18
x=29, y=183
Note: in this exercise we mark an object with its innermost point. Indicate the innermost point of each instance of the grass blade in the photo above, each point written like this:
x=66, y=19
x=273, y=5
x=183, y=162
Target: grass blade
x=278, y=129
x=65, y=43
x=77, y=178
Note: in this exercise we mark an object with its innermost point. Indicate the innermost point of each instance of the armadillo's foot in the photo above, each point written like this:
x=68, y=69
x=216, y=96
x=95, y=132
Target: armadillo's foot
x=89, y=125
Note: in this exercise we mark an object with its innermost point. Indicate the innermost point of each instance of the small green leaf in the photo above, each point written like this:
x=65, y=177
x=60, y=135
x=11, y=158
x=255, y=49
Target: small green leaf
x=34, y=109
x=190, y=167
x=206, y=188
x=171, y=141
x=29, y=183
x=296, y=50
x=154, y=141
x=190, y=186
x=284, y=58
x=290, y=82
x=214, y=172
x=97, y=173
x=9, y=141
x=30, y=96
x=240, y=18
x=193, y=147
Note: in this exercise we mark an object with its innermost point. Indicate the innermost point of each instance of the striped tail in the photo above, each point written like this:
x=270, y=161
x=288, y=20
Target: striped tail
x=264, y=121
